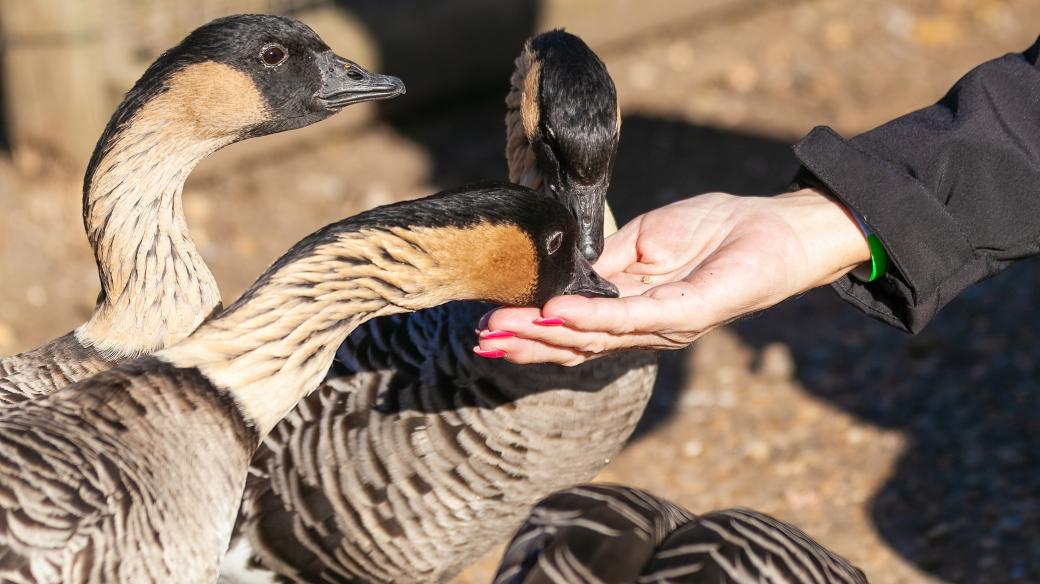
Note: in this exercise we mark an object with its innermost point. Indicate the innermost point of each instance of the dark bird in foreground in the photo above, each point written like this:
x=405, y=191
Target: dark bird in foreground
x=608, y=534
x=136, y=474
x=415, y=456
x=235, y=78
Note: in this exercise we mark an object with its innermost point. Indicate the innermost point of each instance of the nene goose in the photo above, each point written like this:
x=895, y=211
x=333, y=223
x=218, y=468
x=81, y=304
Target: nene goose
x=607, y=534
x=415, y=457
x=234, y=78
x=136, y=474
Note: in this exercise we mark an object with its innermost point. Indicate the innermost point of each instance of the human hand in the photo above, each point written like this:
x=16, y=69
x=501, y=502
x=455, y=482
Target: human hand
x=683, y=270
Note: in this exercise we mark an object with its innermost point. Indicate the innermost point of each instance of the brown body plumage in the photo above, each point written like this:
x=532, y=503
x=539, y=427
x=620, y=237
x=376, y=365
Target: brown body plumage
x=136, y=474
x=211, y=90
x=415, y=456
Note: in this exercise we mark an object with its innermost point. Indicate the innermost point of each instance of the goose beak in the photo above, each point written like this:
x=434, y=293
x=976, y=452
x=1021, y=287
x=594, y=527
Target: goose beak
x=586, y=282
x=587, y=207
x=586, y=203
x=344, y=82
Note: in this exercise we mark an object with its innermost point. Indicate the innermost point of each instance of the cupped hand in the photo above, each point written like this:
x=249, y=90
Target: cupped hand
x=683, y=270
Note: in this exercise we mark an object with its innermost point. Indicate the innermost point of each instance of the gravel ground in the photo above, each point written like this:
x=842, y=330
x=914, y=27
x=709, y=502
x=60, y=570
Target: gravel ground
x=915, y=457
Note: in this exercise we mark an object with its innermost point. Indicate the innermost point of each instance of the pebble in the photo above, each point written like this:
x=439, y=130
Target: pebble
x=7, y=337
x=36, y=295
x=775, y=362
x=742, y=77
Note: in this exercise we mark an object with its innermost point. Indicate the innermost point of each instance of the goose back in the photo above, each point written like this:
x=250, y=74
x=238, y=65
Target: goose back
x=97, y=471
x=608, y=534
x=48, y=367
x=415, y=457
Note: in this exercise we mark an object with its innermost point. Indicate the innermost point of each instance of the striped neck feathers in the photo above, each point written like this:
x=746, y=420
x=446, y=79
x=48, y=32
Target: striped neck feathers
x=155, y=287
x=522, y=118
x=276, y=343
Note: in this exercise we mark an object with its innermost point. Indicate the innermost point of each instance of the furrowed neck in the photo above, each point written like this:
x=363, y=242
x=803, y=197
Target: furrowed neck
x=156, y=288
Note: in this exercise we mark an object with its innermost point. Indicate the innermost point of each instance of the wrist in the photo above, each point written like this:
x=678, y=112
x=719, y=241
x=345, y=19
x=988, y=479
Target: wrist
x=830, y=235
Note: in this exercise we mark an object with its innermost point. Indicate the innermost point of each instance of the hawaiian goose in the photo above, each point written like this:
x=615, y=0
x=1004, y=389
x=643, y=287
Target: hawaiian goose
x=415, y=457
x=606, y=534
x=235, y=78
x=136, y=474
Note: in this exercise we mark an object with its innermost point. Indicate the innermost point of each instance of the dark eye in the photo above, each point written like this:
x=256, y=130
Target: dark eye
x=552, y=245
x=273, y=55
x=355, y=74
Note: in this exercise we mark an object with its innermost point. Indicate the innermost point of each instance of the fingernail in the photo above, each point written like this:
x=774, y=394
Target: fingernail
x=496, y=334
x=489, y=354
x=483, y=322
x=551, y=321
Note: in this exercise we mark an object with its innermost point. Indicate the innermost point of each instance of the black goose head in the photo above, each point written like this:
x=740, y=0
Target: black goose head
x=243, y=76
x=497, y=243
x=572, y=121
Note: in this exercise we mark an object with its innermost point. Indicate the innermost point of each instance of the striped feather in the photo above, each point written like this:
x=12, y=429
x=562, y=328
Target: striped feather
x=603, y=534
x=416, y=457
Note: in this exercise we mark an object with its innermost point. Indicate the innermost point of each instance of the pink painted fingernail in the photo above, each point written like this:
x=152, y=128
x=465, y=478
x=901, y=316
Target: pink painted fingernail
x=499, y=334
x=489, y=354
x=551, y=321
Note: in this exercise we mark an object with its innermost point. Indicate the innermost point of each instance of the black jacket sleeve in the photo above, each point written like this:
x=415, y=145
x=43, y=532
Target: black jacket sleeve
x=952, y=190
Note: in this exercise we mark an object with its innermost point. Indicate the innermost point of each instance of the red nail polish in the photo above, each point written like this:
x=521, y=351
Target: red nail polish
x=499, y=334
x=551, y=321
x=489, y=354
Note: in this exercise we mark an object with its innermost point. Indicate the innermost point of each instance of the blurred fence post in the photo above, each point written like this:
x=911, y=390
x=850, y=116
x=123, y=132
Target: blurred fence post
x=54, y=77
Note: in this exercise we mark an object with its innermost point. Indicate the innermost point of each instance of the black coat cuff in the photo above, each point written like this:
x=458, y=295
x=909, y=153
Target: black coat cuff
x=930, y=258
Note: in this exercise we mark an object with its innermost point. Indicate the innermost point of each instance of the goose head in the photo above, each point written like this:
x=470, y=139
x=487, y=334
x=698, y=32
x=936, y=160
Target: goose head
x=563, y=127
x=231, y=79
x=498, y=243
x=244, y=76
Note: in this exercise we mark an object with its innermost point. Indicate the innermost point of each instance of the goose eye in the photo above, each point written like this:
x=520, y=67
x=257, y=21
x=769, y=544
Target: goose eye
x=552, y=245
x=273, y=55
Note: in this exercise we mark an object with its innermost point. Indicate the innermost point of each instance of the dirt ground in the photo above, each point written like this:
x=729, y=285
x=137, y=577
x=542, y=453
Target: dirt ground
x=915, y=457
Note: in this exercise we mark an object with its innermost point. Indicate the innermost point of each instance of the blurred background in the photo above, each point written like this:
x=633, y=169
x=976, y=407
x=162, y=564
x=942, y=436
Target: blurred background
x=918, y=458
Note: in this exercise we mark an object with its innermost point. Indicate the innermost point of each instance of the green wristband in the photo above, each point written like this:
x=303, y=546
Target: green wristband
x=878, y=258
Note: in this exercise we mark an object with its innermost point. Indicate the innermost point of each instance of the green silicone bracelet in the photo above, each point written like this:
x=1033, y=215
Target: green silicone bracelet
x=878, y=258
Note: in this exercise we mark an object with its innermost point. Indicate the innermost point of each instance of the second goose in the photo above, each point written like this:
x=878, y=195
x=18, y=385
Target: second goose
x=136, y=474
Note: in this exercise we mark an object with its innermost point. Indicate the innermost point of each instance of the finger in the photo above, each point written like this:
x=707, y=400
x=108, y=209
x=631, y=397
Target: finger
x=572, y=347
x=510, y=330
x=648, y=313
x=525, y=352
